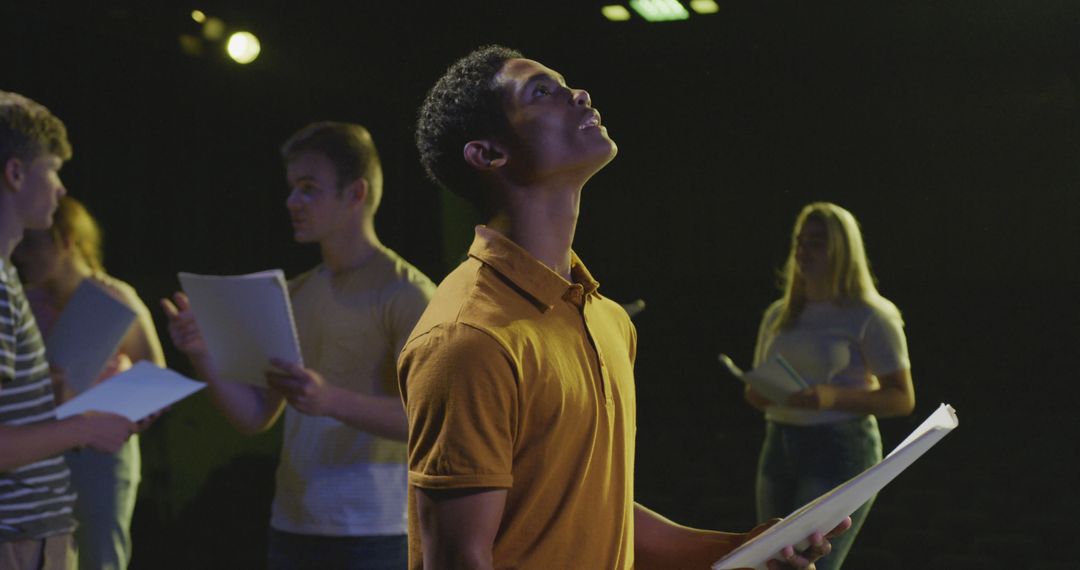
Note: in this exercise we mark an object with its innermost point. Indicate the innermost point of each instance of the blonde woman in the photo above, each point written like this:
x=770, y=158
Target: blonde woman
x=847, y=341
x=53, y=263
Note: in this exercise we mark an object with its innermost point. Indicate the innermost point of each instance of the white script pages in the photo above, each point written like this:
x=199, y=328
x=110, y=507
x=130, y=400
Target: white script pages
x=775, y=379
x=87, y=334
x=246, y=320
x=134, y=393
x=827, y=511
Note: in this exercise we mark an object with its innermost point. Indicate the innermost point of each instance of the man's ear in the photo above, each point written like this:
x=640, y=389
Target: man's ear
x=485, y=155
x=13, y=173
x=357, y=192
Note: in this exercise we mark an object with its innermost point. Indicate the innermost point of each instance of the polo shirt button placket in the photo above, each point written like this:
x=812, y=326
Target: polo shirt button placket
x=605, y=377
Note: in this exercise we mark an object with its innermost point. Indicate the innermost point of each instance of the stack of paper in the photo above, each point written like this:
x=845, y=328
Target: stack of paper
x=246, y=320
x=135, y=393
x=87, y=334
x=776, y=379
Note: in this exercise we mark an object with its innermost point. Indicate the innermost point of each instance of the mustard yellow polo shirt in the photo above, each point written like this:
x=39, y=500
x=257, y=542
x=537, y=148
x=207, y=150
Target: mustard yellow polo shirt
x=515, y=378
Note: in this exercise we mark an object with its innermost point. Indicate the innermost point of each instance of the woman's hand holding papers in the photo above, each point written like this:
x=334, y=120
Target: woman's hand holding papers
x=61, y=389
x=755, y=399
x=818, y=397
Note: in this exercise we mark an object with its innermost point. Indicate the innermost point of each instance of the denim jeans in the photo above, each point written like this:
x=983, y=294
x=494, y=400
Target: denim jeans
x=800, y=463
x=289, y=551
x=107, y=484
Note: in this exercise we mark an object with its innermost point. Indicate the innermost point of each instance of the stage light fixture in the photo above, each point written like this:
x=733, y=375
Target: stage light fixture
x=243, y=47
x=660, y=10
x=199, y=16
x=213, y=29
x=704, y=6
x=615, y=13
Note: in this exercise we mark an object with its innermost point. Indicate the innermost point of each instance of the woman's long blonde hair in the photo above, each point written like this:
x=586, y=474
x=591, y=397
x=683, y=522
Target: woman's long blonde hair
x=72, y=222
x=849, y=276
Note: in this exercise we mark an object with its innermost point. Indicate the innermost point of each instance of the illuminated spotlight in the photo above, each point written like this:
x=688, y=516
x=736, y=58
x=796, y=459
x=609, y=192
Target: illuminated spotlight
x=704, y=6
x=243, y=47
x=615, y=13
x=213, y=29
x=198, y=16
x=660, y=10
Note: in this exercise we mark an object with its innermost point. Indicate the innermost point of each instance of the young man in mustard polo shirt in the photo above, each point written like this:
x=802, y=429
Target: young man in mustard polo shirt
x=518, y=379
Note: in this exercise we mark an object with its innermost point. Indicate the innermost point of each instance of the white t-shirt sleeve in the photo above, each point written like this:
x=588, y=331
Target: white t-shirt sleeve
x=766, y=332
x=884, y=345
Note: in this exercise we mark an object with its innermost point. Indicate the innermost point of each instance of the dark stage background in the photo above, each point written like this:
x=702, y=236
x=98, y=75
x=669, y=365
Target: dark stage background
x=950, y=129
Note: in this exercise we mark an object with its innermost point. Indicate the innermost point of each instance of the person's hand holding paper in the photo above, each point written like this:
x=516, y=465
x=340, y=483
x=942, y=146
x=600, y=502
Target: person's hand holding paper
x=775, y=379
x=839, y=503
x=183, y=329
x=243, y=322
x=305, y=389
x=817, y=546
x=138, y=393
x=103, y=431
x=818, y=397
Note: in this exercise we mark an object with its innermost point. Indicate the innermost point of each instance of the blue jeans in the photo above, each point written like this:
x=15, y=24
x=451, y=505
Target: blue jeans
x=800, y=463
x=289, y=551
x=107, y=484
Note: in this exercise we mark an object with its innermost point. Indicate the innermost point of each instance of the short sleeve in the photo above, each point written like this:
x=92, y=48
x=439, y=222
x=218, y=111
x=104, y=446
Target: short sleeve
x=884, y=345
x=460, y=390
x=765, y=332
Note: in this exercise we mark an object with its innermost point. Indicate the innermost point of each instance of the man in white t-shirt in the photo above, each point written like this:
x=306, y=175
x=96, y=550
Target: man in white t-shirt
x=341, y=483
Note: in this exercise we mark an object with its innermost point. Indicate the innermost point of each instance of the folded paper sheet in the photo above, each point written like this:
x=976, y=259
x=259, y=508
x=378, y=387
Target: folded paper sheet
x=775, y=379
x=87, y=334
x=825, y=512
x=135, y=393
x=246, y=320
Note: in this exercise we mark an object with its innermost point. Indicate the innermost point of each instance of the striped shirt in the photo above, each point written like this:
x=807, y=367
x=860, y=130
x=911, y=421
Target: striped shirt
x=36, y=499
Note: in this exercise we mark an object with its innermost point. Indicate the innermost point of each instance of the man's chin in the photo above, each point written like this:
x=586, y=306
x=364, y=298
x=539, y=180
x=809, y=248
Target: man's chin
x=614, y=151
x=40, y=224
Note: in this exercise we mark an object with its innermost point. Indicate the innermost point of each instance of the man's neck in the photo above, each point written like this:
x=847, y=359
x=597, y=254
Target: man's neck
x=350, y=248
x=543, y=222
x=11, y=229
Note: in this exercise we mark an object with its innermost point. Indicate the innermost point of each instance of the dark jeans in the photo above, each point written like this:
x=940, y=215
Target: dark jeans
x=800, y=463
x=288, y=551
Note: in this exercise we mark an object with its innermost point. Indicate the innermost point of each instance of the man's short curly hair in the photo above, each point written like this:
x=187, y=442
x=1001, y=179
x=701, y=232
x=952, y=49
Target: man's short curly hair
x=465, y=104
x=28, y=130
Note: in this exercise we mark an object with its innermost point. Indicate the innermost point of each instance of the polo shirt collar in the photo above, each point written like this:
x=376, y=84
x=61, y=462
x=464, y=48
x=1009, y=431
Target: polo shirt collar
x=525, y=271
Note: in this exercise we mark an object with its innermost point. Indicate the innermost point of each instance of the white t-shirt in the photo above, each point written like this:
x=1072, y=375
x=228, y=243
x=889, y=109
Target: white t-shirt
x=333, y=479
x=845, y=345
